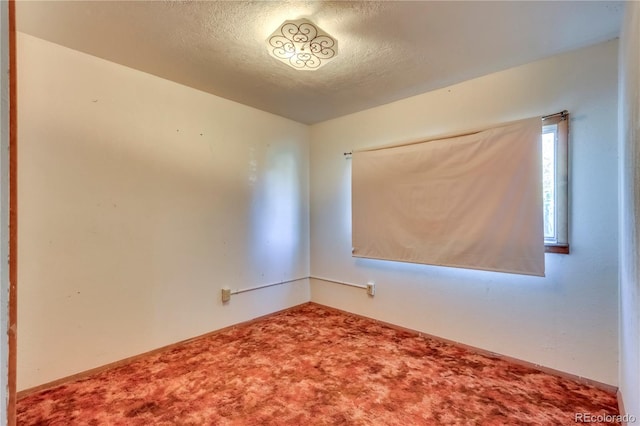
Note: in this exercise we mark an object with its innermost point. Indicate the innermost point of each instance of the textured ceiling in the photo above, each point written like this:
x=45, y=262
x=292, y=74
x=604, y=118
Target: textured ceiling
x=388, y=50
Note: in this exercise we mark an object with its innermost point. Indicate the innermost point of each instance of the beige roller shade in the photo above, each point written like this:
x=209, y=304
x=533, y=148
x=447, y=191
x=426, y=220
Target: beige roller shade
x=469, y=201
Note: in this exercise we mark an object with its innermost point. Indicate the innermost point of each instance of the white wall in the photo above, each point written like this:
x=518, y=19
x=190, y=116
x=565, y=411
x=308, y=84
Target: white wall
x=4, y=207
x=630, y=210
x=566, y=321
x=139, y=199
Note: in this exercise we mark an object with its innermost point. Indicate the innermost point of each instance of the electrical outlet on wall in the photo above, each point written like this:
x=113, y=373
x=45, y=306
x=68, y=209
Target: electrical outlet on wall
x=226, y=295
x=371, y=289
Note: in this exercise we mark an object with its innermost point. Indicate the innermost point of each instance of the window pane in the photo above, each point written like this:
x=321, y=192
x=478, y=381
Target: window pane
x=548, y=181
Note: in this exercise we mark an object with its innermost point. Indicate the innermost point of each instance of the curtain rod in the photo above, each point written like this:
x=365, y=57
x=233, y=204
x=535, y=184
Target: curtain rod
x=563, y=116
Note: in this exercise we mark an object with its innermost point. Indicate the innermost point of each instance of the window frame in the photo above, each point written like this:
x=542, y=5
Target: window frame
x=560, y=244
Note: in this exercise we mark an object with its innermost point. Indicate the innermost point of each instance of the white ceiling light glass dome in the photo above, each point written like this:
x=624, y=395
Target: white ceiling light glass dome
x=302, y=45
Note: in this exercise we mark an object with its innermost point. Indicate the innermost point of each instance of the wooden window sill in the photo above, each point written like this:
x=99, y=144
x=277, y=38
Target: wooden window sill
x=560, y=249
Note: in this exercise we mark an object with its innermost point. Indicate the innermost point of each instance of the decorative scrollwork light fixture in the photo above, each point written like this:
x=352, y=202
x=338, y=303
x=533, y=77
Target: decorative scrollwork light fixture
x=302, y=45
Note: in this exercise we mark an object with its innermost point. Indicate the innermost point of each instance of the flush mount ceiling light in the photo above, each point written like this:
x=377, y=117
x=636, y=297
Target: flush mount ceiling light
x=302, y=45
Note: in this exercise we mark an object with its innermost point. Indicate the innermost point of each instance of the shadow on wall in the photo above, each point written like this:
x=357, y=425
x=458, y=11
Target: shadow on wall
x=275, y=235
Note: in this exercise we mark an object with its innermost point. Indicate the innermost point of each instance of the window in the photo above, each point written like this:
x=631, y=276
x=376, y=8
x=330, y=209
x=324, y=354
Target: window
x=555, y=131
x=495, y=199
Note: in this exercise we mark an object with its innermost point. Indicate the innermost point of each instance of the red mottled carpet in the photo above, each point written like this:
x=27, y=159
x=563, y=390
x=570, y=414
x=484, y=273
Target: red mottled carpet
x=316, y=366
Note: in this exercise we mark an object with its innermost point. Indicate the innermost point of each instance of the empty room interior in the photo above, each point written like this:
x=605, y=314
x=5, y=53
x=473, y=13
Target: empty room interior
x=322, y=212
